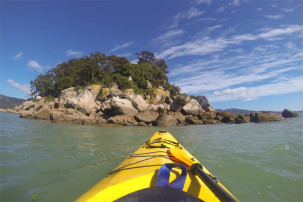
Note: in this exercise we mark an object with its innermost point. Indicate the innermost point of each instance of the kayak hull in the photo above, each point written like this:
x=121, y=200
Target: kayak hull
x=140, y=171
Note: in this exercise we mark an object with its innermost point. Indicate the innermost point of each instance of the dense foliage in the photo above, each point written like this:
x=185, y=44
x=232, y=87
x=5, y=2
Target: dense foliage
x=97, y=68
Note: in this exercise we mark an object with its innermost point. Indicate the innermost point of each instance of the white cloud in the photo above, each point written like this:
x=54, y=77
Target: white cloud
x=72, y=53
x=203, y=1
x=33, y=64
x=274, y=17
x=23, y=88
x=281, y=31
x=191, y=13
x=253, y=93
x=124, y=45
x=19, y=56
x=234, y=3
x=287, y=10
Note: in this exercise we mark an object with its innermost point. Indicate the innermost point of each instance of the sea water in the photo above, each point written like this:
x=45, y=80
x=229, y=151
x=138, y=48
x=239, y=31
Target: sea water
x=42, y=161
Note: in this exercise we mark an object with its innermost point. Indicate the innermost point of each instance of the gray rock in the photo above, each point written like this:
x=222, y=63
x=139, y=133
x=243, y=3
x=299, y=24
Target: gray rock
x=147, y=116
x=289, y=114
x=201, y=99
x=60, y=117
x=182, y=99
x=67, y=93
x=139, y=103
x=192, y=120
x=28, y=104
x=166, y=120
x=85, y=101
x=192, y=108
x=261, y=117
x=175, y=107
x=123, y=120
x=122, y=107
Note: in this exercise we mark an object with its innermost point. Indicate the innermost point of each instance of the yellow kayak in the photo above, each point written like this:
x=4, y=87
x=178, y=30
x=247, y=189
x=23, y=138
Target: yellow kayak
x=160, y=170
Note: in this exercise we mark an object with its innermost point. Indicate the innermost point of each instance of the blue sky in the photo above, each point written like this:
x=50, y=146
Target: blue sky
x=238, y=53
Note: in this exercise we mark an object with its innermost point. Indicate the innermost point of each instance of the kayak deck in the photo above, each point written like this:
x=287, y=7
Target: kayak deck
x=140, y=170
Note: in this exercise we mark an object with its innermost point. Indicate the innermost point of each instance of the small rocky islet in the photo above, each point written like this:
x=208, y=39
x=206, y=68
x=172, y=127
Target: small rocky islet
x=97, y=105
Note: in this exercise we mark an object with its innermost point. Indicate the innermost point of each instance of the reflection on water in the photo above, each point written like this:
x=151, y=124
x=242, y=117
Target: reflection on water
x=59, y=162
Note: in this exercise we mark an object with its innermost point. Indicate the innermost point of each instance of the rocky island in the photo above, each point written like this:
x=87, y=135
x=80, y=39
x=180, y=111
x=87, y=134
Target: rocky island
x=110, y=91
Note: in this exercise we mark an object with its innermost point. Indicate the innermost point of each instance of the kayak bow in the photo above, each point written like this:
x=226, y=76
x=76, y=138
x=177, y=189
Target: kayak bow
x=158, y=171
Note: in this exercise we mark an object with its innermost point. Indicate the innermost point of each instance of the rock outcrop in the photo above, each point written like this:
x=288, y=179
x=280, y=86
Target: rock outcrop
x=94, y=105
x=289, y=114
x=261, y=117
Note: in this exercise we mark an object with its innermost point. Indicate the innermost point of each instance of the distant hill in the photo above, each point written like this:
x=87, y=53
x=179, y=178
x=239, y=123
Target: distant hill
x=9, y=102
x=244, y=111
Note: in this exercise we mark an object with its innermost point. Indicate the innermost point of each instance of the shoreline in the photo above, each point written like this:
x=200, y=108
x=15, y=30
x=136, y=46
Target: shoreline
x=112, y=107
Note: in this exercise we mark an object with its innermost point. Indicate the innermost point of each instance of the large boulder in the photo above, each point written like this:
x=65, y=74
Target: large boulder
x=289, y=114
x=122, y=107
x=166, y=120
x=43, y=113
x=175, y=107
x=179, y=117
x=147, y=116
x=208, y=108
x=85, y=101
x=39, y=104
x=201, y=99
x=27, y=105
x=192, y=120
x=181, y=99
x=261, y=117
x=192, y=108
x=139, y=103
x=68, y=93
x=158, y=107
x=158, y=96
x=123, y=120
x=130, y=93
x=60, y=117
x=204, y=103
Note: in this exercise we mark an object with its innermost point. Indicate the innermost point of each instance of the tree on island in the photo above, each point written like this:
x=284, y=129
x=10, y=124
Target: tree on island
x=97, y=68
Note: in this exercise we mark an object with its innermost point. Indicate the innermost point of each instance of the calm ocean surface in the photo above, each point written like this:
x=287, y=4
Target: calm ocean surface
x=256, y=162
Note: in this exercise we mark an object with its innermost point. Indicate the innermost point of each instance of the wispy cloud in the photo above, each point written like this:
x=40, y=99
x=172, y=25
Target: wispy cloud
x=34, y=65
x=18, y=56
x=23, y=88
x=191, y=13
x=253, y=93
x=287, y=10
x=234, y=3
x=230, y=76
x=206, y=45
x=285, y=30
x=121, y=46
x=274, y=17
x=168, y=38
x=203, y=1
x=72, y=53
